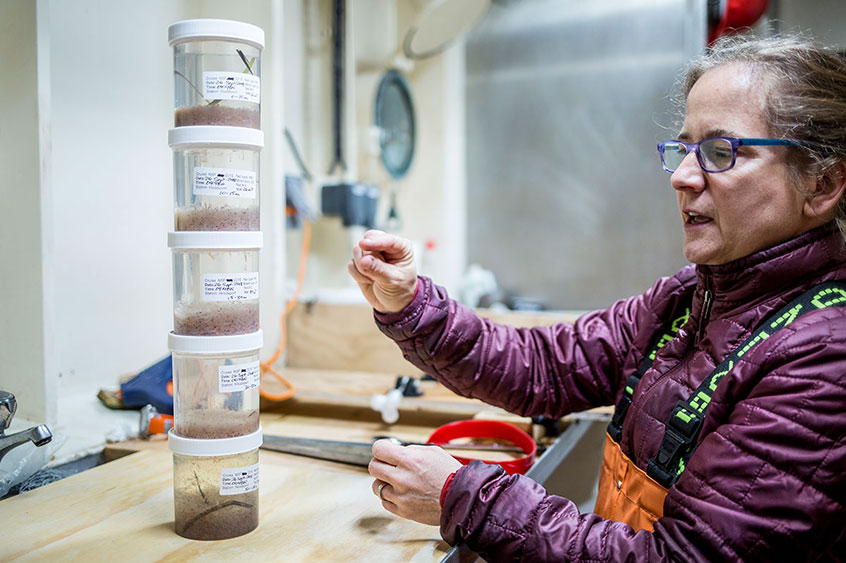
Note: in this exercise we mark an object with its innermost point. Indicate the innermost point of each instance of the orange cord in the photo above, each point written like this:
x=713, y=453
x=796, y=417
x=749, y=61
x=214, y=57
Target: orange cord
x=266, y=367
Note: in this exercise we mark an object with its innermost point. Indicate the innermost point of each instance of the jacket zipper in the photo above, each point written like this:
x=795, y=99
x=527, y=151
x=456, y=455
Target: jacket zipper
x=707, y=301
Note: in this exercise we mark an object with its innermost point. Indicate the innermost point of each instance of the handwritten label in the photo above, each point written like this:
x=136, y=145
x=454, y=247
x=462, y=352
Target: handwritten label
x=238, y=377
x=225, y=182
x=239, y=480
x=231, y=86
x=231, y=287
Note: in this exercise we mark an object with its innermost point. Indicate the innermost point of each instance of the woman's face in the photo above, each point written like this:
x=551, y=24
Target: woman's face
x=755, y=204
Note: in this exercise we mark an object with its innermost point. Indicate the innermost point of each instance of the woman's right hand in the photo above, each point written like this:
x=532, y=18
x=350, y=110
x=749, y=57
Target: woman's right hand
x=409, y=479
x=383, y=266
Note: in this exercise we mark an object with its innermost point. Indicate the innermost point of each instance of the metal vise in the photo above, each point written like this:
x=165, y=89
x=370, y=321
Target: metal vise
x=38, y=435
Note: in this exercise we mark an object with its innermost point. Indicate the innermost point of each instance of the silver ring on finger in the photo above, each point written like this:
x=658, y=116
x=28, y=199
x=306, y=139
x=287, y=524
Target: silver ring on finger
x=379, y=490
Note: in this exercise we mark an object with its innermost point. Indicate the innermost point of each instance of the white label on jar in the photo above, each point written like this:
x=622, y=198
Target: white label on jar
x=238, y=377
x=231, y=86
x=225, y=182
x=230, y=287
x=239, y=480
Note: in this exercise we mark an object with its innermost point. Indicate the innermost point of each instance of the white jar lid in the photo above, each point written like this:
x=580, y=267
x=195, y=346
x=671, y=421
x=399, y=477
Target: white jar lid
x=212, y=136
x=192, y=30
x=213, y=447
x=186, y=241
x=215, y=345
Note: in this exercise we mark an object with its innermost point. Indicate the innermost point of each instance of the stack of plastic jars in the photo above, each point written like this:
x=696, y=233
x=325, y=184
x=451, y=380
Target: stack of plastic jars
x=216, y=339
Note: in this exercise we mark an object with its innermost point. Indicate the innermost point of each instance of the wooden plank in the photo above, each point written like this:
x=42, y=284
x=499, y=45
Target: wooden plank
x=309, y=511
x=341, y=337
x=346, y=395
x=345, y=337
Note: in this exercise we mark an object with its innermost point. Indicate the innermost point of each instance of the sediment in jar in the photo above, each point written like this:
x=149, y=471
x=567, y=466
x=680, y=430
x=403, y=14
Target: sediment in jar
x=226, y=218
x=216, y=423
x=217, y=114
x=202, y=513
x=216, y=318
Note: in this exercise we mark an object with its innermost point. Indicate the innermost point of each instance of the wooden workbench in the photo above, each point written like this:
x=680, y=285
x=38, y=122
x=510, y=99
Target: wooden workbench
x=123, y=510
x=309, y=510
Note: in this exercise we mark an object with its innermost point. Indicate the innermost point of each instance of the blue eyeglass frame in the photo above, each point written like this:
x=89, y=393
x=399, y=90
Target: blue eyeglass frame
x=735, y=143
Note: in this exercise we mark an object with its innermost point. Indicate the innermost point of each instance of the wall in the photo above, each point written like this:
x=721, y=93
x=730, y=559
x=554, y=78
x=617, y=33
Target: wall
x=431, y=196
x=112, y=188
x=567, y=201
x=553, y=219
x=824, y=19
x=24, y=342
x=330, y=242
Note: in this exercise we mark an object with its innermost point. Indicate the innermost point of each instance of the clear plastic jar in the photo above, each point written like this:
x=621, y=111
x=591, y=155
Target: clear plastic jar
x=216, y=385
x=216, y=178
x=215, y=282
x=215, y=486
x=217, y=73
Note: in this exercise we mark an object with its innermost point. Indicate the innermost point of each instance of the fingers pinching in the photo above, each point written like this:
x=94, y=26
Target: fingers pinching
x=356, y=275
x=373, y=233
x=365, y=260
x=381, y=241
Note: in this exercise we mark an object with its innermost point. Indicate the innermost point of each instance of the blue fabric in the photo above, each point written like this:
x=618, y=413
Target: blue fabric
x=149, y=387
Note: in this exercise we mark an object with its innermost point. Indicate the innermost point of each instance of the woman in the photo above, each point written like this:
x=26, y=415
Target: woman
x=729, y=438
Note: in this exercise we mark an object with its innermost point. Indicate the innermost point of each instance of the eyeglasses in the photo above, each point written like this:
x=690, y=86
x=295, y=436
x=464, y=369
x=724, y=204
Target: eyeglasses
x=715, y=154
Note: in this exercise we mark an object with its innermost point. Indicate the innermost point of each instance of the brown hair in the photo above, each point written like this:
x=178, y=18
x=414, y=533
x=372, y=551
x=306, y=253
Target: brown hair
x=805, y=96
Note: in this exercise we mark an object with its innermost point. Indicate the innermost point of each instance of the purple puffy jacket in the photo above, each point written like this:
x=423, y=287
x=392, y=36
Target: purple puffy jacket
x=768, y=479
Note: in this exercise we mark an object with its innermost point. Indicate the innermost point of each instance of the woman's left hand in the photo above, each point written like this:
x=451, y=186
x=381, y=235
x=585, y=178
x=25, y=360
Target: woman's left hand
x=413, y=477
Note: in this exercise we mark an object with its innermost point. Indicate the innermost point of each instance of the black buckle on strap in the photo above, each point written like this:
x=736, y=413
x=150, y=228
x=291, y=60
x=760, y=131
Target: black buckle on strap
x=679, y=435
x=685, y=422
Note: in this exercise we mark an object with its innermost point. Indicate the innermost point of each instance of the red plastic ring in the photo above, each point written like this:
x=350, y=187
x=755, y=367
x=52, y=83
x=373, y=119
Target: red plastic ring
x=489, y=429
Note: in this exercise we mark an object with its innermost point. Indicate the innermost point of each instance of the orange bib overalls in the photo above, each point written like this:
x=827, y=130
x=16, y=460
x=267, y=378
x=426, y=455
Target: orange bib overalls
x=629, y=494
x=626, y=493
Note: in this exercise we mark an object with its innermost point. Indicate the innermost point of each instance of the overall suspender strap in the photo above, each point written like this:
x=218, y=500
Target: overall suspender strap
x=685, y=423
x=615, y=427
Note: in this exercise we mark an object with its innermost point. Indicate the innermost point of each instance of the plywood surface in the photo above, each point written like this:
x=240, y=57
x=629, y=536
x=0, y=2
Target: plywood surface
x=345, y=337
x=123, y=511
